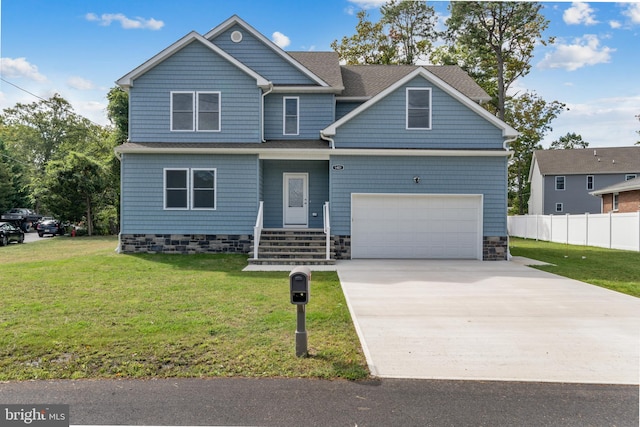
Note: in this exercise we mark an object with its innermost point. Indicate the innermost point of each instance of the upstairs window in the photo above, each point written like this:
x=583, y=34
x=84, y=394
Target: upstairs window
x=629, y=176
x=559, y=182
x=418, y=108
x=198, y=111
x=290, y=116
x=589, y=182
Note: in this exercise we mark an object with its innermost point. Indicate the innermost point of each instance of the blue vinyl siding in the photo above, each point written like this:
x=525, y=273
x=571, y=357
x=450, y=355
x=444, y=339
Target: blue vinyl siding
x=345, y=107
x=272, y=173
x=316, y=113
x=142, y=195
x=454, y=125
x=439, y=175
x=254, y=54
x=195, y=68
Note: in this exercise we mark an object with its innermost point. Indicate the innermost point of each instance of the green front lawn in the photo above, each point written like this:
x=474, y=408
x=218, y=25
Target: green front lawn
x=609, y=268
x=73, y=308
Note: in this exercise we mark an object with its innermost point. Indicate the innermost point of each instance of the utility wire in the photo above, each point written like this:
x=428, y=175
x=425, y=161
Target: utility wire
x=47, y=101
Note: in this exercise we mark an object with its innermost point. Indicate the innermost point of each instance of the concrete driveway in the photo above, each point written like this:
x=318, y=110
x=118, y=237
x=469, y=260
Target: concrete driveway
x=476, y=320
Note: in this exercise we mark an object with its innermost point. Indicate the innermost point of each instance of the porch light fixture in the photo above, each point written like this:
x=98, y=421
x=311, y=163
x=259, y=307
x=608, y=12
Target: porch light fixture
x=416, y=179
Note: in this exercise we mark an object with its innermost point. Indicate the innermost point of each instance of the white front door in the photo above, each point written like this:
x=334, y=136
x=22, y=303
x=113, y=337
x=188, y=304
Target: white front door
x=296, y=194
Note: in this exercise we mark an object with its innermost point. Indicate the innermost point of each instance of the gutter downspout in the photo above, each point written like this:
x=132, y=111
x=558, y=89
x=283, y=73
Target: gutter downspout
x=326, y=138
x=262, y=107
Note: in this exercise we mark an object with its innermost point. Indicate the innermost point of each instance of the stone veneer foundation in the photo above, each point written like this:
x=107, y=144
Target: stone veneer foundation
x=185, y=243
x=494, y=248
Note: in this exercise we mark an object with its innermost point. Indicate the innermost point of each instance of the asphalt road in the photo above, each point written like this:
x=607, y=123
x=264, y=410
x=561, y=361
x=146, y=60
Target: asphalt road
x=297, y=402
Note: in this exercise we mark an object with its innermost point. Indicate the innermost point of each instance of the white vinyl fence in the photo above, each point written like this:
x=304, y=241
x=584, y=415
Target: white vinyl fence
x=612, y=230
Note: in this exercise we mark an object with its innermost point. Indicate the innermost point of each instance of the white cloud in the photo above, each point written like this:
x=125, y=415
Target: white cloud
x=602, y=122
x=615, y=24
x=369, y=4
x=80, y=83
x=20, y=67
x=582, y=52
x=579, y=13
x=280, y=39
x=127, y=23
x=633, y=12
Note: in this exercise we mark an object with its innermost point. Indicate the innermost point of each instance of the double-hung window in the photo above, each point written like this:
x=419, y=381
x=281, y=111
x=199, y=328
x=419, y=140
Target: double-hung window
x=190, y=189
x=418, y=108
x=291, y=114
x=199, y=111
x=559, y=183
x=176, y=188
x=589, y=182
x=616, y=201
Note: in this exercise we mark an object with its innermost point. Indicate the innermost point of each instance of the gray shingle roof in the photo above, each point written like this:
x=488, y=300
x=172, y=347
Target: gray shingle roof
x=369, y=80
x=589, y=161
x=366, y=81
x=325, y=65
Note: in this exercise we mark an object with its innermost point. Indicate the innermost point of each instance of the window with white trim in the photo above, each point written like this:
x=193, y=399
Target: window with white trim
x=559, y=207
x=203, y=188
x=176, y=188
x=589, y=182
x=290, y=116
x=198, y=111
x=418, y=108
x=615, y=201
x=559, y=183
x=189, y=189
x=629, y=176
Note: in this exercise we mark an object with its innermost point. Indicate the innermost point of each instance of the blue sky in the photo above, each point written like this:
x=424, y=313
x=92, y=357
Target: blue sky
x=79, y=48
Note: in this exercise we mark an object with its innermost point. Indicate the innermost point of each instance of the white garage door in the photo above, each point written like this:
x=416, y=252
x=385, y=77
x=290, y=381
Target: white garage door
x=416, y=226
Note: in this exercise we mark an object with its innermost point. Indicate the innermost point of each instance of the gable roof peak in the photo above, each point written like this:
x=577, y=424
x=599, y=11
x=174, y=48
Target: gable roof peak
x=236, y=20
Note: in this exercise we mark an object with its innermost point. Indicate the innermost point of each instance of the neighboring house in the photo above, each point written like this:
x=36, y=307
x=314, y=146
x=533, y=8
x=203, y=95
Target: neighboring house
x=229, y=134
x=621, y=197
x=562, y=180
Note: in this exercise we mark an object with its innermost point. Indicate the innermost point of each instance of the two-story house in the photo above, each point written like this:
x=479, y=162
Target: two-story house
x=562, y=180
x=231, y=136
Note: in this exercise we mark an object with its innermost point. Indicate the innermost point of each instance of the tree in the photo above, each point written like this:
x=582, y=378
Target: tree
x=75, y=188
x=118, y=113
x=531, y=116
x=369, y=45
x=411, y=28
x=494, y=43
x=568, y=142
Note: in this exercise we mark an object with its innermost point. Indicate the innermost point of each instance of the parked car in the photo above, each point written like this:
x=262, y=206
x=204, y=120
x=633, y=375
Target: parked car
x=10, y=233
x=50, y=226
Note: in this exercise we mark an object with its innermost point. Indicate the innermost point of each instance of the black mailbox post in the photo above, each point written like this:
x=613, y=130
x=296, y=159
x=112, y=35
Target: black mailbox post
x=299, y=284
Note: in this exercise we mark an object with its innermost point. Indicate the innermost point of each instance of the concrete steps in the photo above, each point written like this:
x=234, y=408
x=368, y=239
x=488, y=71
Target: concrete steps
x=284, y=246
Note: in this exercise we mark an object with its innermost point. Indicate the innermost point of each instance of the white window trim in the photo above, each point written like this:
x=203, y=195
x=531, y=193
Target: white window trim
x=629, y=176
x=406, y=108
x=197, y=111
x=215, y=189
x=284, y=115
x=593, y=182
x=564, y=182
x=164, y=189
x=193, y=111
x=561, y=206
x=615, y=202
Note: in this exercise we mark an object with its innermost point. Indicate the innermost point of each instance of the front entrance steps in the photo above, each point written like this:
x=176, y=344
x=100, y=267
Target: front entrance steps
x=286, y=246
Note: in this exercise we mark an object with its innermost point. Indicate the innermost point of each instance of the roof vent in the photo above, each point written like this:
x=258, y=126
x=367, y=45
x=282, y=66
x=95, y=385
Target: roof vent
x=595, y=153
x=236, y=36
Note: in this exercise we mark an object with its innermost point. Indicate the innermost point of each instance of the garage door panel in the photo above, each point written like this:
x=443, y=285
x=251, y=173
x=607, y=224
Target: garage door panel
x=416, y=226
